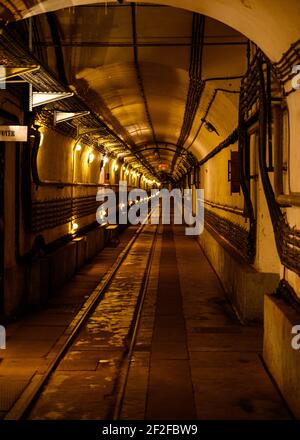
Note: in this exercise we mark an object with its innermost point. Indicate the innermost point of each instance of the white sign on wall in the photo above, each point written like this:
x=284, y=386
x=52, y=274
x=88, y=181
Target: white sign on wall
x=13, y=133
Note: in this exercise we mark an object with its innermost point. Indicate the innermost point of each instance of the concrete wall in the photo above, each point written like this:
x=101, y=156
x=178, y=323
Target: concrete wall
x=244, y=286
x=282, y=360
x=293, y=184
x=33, y=283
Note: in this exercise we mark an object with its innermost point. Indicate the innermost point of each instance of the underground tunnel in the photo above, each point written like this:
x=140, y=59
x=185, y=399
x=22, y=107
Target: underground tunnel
x=150, y=213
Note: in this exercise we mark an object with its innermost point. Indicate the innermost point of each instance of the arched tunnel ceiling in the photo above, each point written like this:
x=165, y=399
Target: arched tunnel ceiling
x=250, y=17
x=132, y=65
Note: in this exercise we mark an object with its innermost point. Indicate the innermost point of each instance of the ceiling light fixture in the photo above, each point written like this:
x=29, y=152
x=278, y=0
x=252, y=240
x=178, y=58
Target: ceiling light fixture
x=209, y=126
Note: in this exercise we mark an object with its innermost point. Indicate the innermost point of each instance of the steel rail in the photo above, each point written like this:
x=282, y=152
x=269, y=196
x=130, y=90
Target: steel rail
x=31, y=393
x=124, y=373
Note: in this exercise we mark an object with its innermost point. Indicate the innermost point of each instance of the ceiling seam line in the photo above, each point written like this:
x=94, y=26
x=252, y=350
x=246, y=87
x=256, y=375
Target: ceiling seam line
x=128, y=44
x=183, y=153
x=138, y=71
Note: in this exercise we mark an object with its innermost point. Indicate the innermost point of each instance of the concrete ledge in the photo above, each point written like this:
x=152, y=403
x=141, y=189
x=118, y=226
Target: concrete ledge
x=281, y=359
x=32, y=283
x=91, y=249
x=80, y=252
x=38, y=286
x=14, y=289
x=62, y=265
x=244, y=286
x=100, y=238
x=95, y=242
x=111, y=235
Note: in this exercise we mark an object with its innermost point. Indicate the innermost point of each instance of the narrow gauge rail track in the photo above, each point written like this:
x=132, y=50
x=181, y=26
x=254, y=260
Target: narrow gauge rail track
x=30, y=396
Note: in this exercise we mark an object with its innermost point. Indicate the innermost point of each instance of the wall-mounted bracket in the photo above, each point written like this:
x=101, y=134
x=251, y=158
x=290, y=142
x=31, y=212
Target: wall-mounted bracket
x=67, y=116
x=42, y=98
x=8, y=72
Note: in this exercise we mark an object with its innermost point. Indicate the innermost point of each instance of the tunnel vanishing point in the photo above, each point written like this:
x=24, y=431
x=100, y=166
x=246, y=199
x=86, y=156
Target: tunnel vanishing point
x=141, y=321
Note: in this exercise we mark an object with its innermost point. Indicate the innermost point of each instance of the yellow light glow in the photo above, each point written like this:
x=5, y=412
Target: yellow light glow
x=74, y=226
x=78, y=147
x=41, y=139
x=91, y=157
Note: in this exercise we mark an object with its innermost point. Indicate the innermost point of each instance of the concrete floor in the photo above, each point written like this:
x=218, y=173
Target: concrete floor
x=192, y=358
x=201, y=362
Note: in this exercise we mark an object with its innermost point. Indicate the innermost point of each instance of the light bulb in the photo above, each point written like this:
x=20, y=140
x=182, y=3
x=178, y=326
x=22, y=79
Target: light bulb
x=41, y=139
